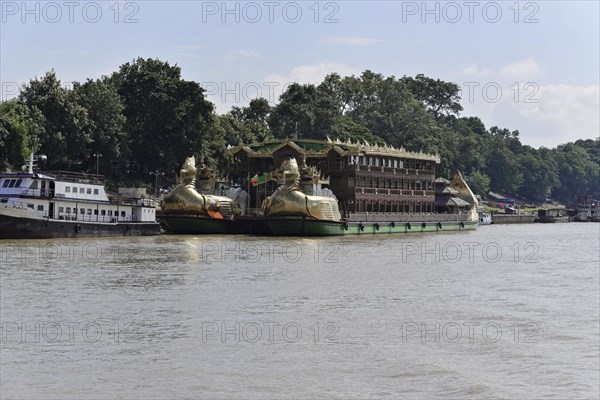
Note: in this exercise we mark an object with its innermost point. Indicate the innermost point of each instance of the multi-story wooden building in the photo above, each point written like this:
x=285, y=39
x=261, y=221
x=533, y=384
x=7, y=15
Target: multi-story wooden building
x=364, y=178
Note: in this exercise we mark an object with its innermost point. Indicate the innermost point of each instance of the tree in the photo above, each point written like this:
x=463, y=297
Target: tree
x=441, y=98
x=167, y=117
x=296, y=113
x=344, y=128
x=20, y=129
x=539, y=177
x=66, y=136
x=249, y=122
x=479, y=183
x=577, y=172
x=388, y=109
x=107, y=122
x=503, y=169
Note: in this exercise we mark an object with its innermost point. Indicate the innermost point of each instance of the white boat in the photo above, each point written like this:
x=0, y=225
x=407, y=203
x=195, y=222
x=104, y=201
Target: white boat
x=485, y=218
x=65, y=204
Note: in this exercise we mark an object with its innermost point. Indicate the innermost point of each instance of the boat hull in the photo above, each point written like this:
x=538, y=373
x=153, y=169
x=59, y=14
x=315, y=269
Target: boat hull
x=309, y=227
x=582, y=218
x=485, y=219
x=198, y=224
x=298, y=226
x=29, y=228
x=552, y=220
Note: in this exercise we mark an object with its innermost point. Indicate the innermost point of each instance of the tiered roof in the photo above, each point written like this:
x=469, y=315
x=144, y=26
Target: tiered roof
x=321, y=148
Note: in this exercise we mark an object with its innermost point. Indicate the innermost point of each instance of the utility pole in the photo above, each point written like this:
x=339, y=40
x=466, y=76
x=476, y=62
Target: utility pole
x=156, y=173
x=97, y=155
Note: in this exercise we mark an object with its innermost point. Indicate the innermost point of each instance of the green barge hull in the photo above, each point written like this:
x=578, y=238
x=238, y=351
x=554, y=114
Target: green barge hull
x=308, y=227
x=298, y=226
x=197, y=224
x=204, y=225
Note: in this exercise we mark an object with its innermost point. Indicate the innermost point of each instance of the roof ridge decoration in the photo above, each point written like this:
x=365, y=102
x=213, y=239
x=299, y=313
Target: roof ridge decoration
x=329, y=144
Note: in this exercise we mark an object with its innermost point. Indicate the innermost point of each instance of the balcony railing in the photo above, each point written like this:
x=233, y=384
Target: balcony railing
x=94, y=218
x=406, y=217
x=77, y=177
x=394, y=192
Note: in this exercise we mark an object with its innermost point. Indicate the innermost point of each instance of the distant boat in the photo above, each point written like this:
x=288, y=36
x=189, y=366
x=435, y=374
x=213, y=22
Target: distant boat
x=65, y=204
x=553, y=215
x=583, y=215
x=485, y=218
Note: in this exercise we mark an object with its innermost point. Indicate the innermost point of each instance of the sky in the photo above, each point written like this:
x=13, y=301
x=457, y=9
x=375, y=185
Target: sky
x=532, y=66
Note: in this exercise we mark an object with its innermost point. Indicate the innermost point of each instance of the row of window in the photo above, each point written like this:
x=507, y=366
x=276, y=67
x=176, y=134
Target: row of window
x=11, y=183
x=68, y=210
x=81, y=190
x=386, y=183
x=390, y=162
x=400, y=206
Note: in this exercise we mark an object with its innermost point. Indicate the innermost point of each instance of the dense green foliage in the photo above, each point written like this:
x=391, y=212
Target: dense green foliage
x=145, y=117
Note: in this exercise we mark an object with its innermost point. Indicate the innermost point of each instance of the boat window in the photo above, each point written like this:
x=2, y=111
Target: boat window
x=18, y=184
x=122, y=213
x=5, y=184
x=40, y=208
x=12, y=183
x=102, y=212
x=74, y=189
x=82, y=211
x=68, y=210
x=68, y=189
x=95, y=191
x=89, y=211
x=61, y=209
x=30, y=206
x=82, y=190
x=96, y=212
x=89, y=191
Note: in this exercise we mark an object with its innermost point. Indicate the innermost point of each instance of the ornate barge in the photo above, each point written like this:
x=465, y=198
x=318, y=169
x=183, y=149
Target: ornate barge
x=367, y=190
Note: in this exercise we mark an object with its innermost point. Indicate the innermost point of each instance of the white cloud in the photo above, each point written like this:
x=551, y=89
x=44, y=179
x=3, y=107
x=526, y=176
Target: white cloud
x=311, y=73
x=522, y=70
x=353, y=41
x=565, y=113
x=232, y=55
x=527, y=69
x=473, y=70
x=544, y=115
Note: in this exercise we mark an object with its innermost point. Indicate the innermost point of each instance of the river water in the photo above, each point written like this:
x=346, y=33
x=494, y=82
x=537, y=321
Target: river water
x=503, y=312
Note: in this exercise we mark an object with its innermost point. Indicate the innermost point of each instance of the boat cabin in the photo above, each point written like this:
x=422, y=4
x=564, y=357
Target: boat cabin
x=70, y=196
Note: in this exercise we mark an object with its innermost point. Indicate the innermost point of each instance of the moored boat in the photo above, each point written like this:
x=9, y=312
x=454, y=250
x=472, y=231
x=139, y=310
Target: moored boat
x=552, y=216
x=374, y=189
x=185, y=210
x=64, y=204
x=485, y=218
x=583, y=215
x=368, y=190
